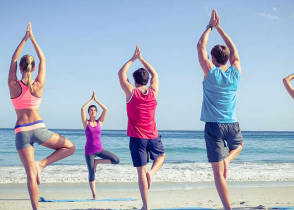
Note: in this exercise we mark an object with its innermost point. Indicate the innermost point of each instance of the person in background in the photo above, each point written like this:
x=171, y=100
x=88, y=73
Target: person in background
x=93, y=147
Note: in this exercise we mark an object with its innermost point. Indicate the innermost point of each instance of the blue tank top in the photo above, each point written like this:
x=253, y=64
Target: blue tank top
x=219, y=95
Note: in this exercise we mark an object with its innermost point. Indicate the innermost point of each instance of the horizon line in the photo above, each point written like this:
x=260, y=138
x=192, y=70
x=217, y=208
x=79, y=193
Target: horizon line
x=158, y=130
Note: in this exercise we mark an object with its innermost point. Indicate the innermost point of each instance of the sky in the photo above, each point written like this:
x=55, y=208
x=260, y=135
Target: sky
x=87, y=41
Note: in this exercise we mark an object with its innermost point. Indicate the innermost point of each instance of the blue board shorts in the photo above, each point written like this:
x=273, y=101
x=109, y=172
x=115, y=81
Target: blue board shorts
x=219, y=136
x=141, y=149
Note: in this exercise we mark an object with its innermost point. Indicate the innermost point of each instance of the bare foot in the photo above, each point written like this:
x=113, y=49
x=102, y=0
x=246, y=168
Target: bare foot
x=226, y=165
x=38, y=172
x=94, y=196
x=149, y=179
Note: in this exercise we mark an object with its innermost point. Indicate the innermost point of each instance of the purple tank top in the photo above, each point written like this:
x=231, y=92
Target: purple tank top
x=93, y=135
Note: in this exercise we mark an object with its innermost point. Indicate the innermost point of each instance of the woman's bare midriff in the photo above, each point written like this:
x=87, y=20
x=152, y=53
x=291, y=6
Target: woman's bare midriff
x=25, y=116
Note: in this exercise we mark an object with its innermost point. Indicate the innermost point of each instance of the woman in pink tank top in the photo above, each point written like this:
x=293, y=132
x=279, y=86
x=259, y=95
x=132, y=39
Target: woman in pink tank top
x=93, y=147
x=26, y=96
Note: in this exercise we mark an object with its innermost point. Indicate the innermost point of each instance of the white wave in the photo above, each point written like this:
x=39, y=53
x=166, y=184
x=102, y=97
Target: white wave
x=185, y=172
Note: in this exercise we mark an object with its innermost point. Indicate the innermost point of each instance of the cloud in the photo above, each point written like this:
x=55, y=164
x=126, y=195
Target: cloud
x=269, y=16
x=275, y=9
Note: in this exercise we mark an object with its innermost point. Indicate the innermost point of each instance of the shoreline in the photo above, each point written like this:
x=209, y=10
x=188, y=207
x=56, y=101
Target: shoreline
x=156, y=186
x=162, y=195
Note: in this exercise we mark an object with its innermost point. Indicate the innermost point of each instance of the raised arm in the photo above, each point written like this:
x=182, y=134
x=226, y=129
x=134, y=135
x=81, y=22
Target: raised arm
x=83, y=111
x=154, y=83
x=103, y=107
x=12, y=78
x=288, y=86
x=40, y=79
x=203, y=58
x=123, y=79
x=234, y=56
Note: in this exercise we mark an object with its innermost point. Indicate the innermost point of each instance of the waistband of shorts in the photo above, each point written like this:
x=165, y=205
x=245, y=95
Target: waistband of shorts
x=136, y=138
x=222, y=123
x=29, y=126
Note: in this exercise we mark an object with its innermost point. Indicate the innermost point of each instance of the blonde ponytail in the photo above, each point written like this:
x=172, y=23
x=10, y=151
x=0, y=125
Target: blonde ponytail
x=27, y=65
x=30, y=81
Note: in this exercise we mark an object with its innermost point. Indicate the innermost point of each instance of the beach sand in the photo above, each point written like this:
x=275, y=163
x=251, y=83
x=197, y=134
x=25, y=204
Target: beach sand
x=162, y=195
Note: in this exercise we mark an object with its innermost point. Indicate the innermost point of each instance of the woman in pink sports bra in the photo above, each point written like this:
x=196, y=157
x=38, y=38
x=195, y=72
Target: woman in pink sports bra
x=93, y=147
x=30, y=128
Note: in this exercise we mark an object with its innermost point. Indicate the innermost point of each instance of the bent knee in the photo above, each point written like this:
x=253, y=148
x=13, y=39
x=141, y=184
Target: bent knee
x=72, y=149
x=70, y=146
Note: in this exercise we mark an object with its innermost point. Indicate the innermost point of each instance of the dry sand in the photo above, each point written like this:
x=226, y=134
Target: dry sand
x=162, y=196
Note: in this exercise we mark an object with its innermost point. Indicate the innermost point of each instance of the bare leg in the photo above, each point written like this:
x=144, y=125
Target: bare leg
x=63, y=148
x=143, y=185
x=157, y=164
x=221, y=184
x=232, y=155
x=27, y=158
x=93, y=189
x=100, y=161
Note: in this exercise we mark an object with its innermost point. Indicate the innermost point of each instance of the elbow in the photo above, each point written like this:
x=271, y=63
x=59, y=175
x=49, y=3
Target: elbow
x=285, y=81
x=199, y=45
x=119, y=74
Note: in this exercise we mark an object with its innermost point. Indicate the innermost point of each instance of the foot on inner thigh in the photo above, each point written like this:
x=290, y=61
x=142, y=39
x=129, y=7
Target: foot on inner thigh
x=95, y=164
x=38, y=168
x=149, y=179
x=226, y=166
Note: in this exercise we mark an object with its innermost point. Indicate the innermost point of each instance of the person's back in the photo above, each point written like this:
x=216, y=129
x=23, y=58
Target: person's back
x=141, y=114
x=220, y=95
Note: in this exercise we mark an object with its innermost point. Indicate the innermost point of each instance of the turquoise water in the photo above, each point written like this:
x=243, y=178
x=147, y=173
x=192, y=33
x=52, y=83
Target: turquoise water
x=266, y=156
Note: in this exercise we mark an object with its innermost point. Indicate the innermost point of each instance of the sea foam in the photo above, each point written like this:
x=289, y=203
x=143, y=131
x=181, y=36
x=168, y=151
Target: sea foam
x=184, y=172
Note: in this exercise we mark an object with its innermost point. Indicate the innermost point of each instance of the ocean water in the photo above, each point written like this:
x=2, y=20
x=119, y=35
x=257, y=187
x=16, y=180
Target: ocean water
x=267, y=156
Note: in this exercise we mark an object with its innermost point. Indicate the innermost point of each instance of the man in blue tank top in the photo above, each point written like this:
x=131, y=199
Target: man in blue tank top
x=220, y=86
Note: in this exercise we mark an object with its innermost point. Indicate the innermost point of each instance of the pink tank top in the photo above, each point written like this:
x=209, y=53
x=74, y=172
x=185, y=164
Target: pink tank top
x=141, y=115
x=93, y=135
x=26, y=100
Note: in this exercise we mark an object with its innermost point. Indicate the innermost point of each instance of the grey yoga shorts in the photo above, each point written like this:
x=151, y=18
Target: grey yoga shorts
x=24, y=139
x=218, y=136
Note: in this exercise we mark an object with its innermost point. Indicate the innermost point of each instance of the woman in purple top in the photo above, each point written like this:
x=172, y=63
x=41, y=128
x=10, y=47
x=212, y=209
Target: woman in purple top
x=93, y=147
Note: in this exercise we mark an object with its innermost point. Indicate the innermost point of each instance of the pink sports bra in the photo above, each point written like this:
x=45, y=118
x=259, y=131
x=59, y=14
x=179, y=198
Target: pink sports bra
x=26, y=100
